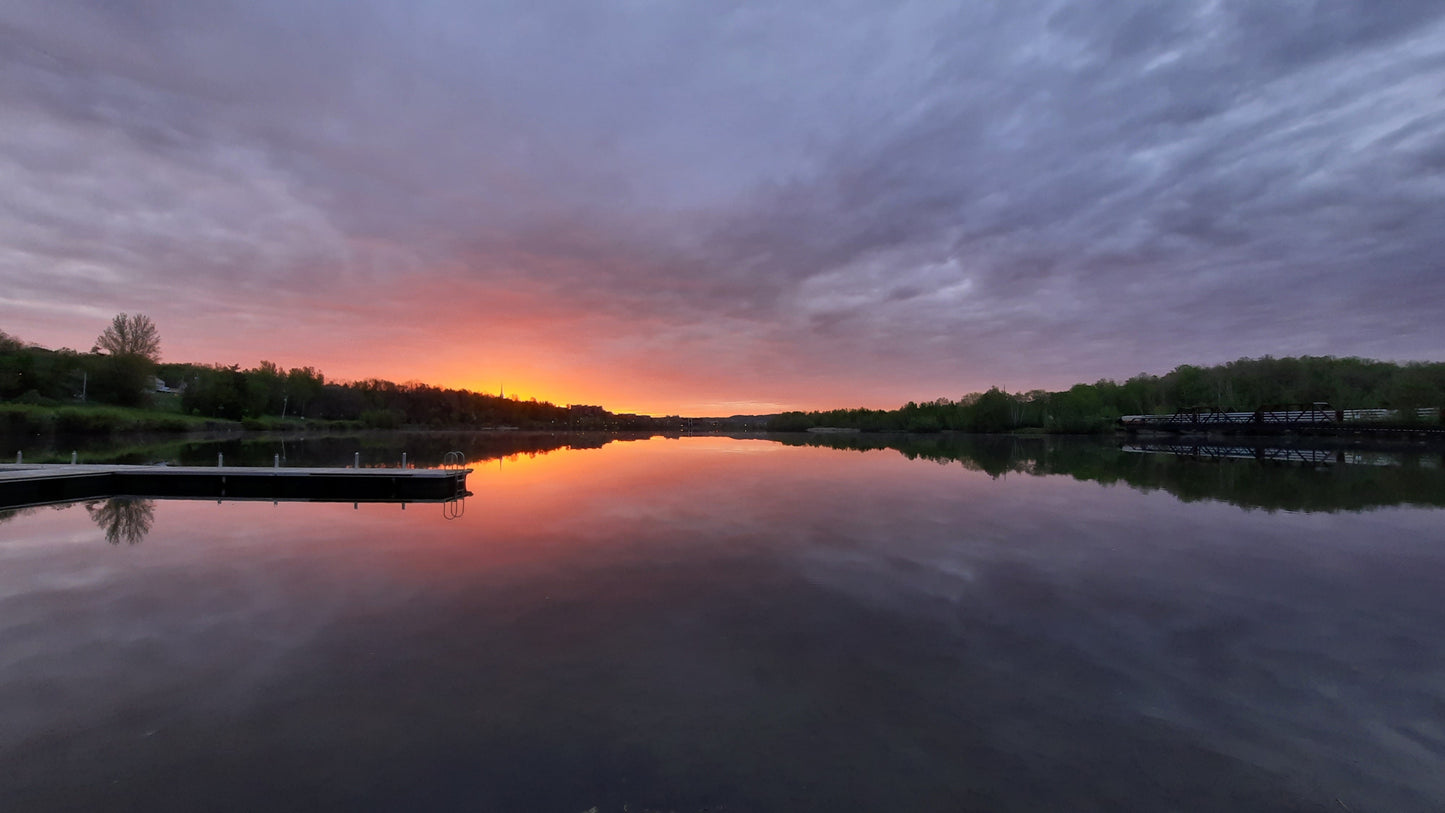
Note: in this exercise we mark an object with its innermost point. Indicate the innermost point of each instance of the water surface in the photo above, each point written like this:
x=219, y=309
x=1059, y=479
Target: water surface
x=737, y=624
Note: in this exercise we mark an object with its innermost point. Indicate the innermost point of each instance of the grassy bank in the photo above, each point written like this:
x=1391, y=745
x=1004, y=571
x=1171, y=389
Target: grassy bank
x=41, y=419
x=97, y=420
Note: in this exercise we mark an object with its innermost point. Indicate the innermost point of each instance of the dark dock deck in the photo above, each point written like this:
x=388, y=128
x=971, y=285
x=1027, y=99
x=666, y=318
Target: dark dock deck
x=24, y=485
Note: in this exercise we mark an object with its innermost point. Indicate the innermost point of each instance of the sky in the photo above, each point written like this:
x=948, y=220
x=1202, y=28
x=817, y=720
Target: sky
x=720, y=208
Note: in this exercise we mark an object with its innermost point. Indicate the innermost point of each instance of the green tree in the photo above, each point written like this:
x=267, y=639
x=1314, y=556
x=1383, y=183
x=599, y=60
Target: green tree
x=993, y=411
x=127, y=352
x=303, y=386
x=216, y=392
x=265, y=390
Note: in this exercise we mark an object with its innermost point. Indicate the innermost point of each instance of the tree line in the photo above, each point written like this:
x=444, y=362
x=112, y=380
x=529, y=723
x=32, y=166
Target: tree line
x=123, y=368
x=1242, y=385
x=268, y=391
x=118, y=370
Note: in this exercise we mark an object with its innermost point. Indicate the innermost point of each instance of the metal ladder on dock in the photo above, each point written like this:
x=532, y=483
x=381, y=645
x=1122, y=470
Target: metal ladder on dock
x=457, y=505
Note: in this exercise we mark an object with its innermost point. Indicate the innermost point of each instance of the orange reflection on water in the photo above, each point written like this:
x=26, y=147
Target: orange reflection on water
x=626, y=501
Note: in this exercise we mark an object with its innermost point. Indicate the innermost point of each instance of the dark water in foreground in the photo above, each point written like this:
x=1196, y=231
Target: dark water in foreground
x=741, y=625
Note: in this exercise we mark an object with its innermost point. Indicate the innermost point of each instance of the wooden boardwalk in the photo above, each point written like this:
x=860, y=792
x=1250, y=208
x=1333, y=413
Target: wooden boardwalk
x=1317, y=418
x=23, y=485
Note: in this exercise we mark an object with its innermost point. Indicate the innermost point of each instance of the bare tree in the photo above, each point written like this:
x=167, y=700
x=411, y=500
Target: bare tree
x=131, y=336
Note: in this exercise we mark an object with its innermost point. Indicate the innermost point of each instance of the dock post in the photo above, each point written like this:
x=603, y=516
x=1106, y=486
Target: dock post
x=403, y=459
x=73, y=458
x=276, y=462
x=220, y=459
x=356, y=461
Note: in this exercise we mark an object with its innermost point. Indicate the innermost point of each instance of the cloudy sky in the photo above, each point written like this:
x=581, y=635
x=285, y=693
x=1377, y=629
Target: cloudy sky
x=712, y=208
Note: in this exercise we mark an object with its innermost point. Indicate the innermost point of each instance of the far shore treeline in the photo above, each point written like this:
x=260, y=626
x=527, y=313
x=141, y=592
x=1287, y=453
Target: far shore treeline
x=60, y=390
x=1246, y=384
x=43, y=389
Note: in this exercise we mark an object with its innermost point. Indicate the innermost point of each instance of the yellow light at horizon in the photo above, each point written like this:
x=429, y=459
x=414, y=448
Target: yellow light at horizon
x=520, y=391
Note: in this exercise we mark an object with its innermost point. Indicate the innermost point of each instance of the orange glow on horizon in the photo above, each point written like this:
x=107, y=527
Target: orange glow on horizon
x=524, y=347
x=516, y=377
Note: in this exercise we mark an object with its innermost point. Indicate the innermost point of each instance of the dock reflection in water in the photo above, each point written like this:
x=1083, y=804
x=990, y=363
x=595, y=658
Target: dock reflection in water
x=744, y=625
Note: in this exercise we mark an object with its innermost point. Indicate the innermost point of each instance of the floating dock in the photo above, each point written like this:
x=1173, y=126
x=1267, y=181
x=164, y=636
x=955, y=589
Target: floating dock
x=24, y=485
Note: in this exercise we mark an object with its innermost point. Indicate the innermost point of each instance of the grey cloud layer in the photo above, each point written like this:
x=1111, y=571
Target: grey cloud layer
x=1020, y=192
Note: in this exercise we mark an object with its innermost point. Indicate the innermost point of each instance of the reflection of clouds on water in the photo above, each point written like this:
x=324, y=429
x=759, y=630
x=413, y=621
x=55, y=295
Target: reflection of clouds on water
x=15, y=513
x=1261, y=643
x=687, y=630
x=124, y=519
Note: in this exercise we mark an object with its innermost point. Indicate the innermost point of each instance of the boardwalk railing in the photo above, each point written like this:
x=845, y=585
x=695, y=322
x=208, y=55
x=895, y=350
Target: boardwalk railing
x=1304, y=415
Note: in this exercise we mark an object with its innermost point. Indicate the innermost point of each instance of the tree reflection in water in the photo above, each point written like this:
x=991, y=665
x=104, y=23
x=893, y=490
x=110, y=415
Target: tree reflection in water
x=1292, y=475
x=126, y=519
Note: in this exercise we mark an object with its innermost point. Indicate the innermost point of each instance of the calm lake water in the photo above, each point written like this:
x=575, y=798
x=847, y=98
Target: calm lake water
x=746, y=625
